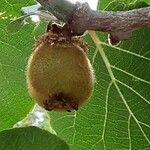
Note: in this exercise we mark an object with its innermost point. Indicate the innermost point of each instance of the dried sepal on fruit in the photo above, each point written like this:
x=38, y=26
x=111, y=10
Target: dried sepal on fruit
x=59, y=74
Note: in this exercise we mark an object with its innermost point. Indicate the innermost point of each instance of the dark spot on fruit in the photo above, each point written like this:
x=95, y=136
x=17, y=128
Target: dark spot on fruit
x=47, y=106
x=59, y=101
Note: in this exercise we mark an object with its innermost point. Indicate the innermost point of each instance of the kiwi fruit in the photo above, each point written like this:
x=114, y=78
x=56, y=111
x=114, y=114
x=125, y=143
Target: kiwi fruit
x=59, y=74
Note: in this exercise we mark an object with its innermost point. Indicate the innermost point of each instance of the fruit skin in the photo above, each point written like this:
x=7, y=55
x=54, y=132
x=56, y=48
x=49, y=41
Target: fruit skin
x=59, y=74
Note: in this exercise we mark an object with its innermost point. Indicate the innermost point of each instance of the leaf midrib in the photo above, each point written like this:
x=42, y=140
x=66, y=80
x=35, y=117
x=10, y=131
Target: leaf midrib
x=113, y=79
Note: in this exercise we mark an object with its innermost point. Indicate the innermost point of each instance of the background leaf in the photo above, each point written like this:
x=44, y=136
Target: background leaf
x=117, y=115
x=30, y=138
x=122, y=4
x=15, y=49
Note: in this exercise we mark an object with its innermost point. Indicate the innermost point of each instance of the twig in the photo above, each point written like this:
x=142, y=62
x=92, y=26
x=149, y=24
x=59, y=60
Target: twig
x=81, y=17
x=108, y=21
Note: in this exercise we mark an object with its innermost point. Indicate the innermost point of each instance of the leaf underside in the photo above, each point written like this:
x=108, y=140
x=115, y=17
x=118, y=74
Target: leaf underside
x=30, y=138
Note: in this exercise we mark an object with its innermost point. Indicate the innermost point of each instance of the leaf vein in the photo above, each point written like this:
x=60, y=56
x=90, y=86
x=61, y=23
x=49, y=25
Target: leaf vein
x=130, y=74
x=107, y=63
x=126, y=51
x=133, y=91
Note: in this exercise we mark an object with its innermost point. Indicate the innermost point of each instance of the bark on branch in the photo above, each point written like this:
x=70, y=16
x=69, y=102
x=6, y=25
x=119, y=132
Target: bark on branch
x=108, y=21
x=81, y=18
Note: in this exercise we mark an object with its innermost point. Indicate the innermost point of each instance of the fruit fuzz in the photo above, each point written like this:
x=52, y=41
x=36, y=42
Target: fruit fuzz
x=59, y=74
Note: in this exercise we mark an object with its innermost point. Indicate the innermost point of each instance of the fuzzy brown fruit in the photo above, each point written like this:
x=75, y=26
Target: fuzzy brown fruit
x=59, y=74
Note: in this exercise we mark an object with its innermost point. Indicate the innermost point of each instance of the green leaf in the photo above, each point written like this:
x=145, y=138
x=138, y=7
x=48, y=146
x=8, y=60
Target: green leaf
x=122, y=4
x=15, y=49
x=16, y=25
x=30, y=138
x=117, y=115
